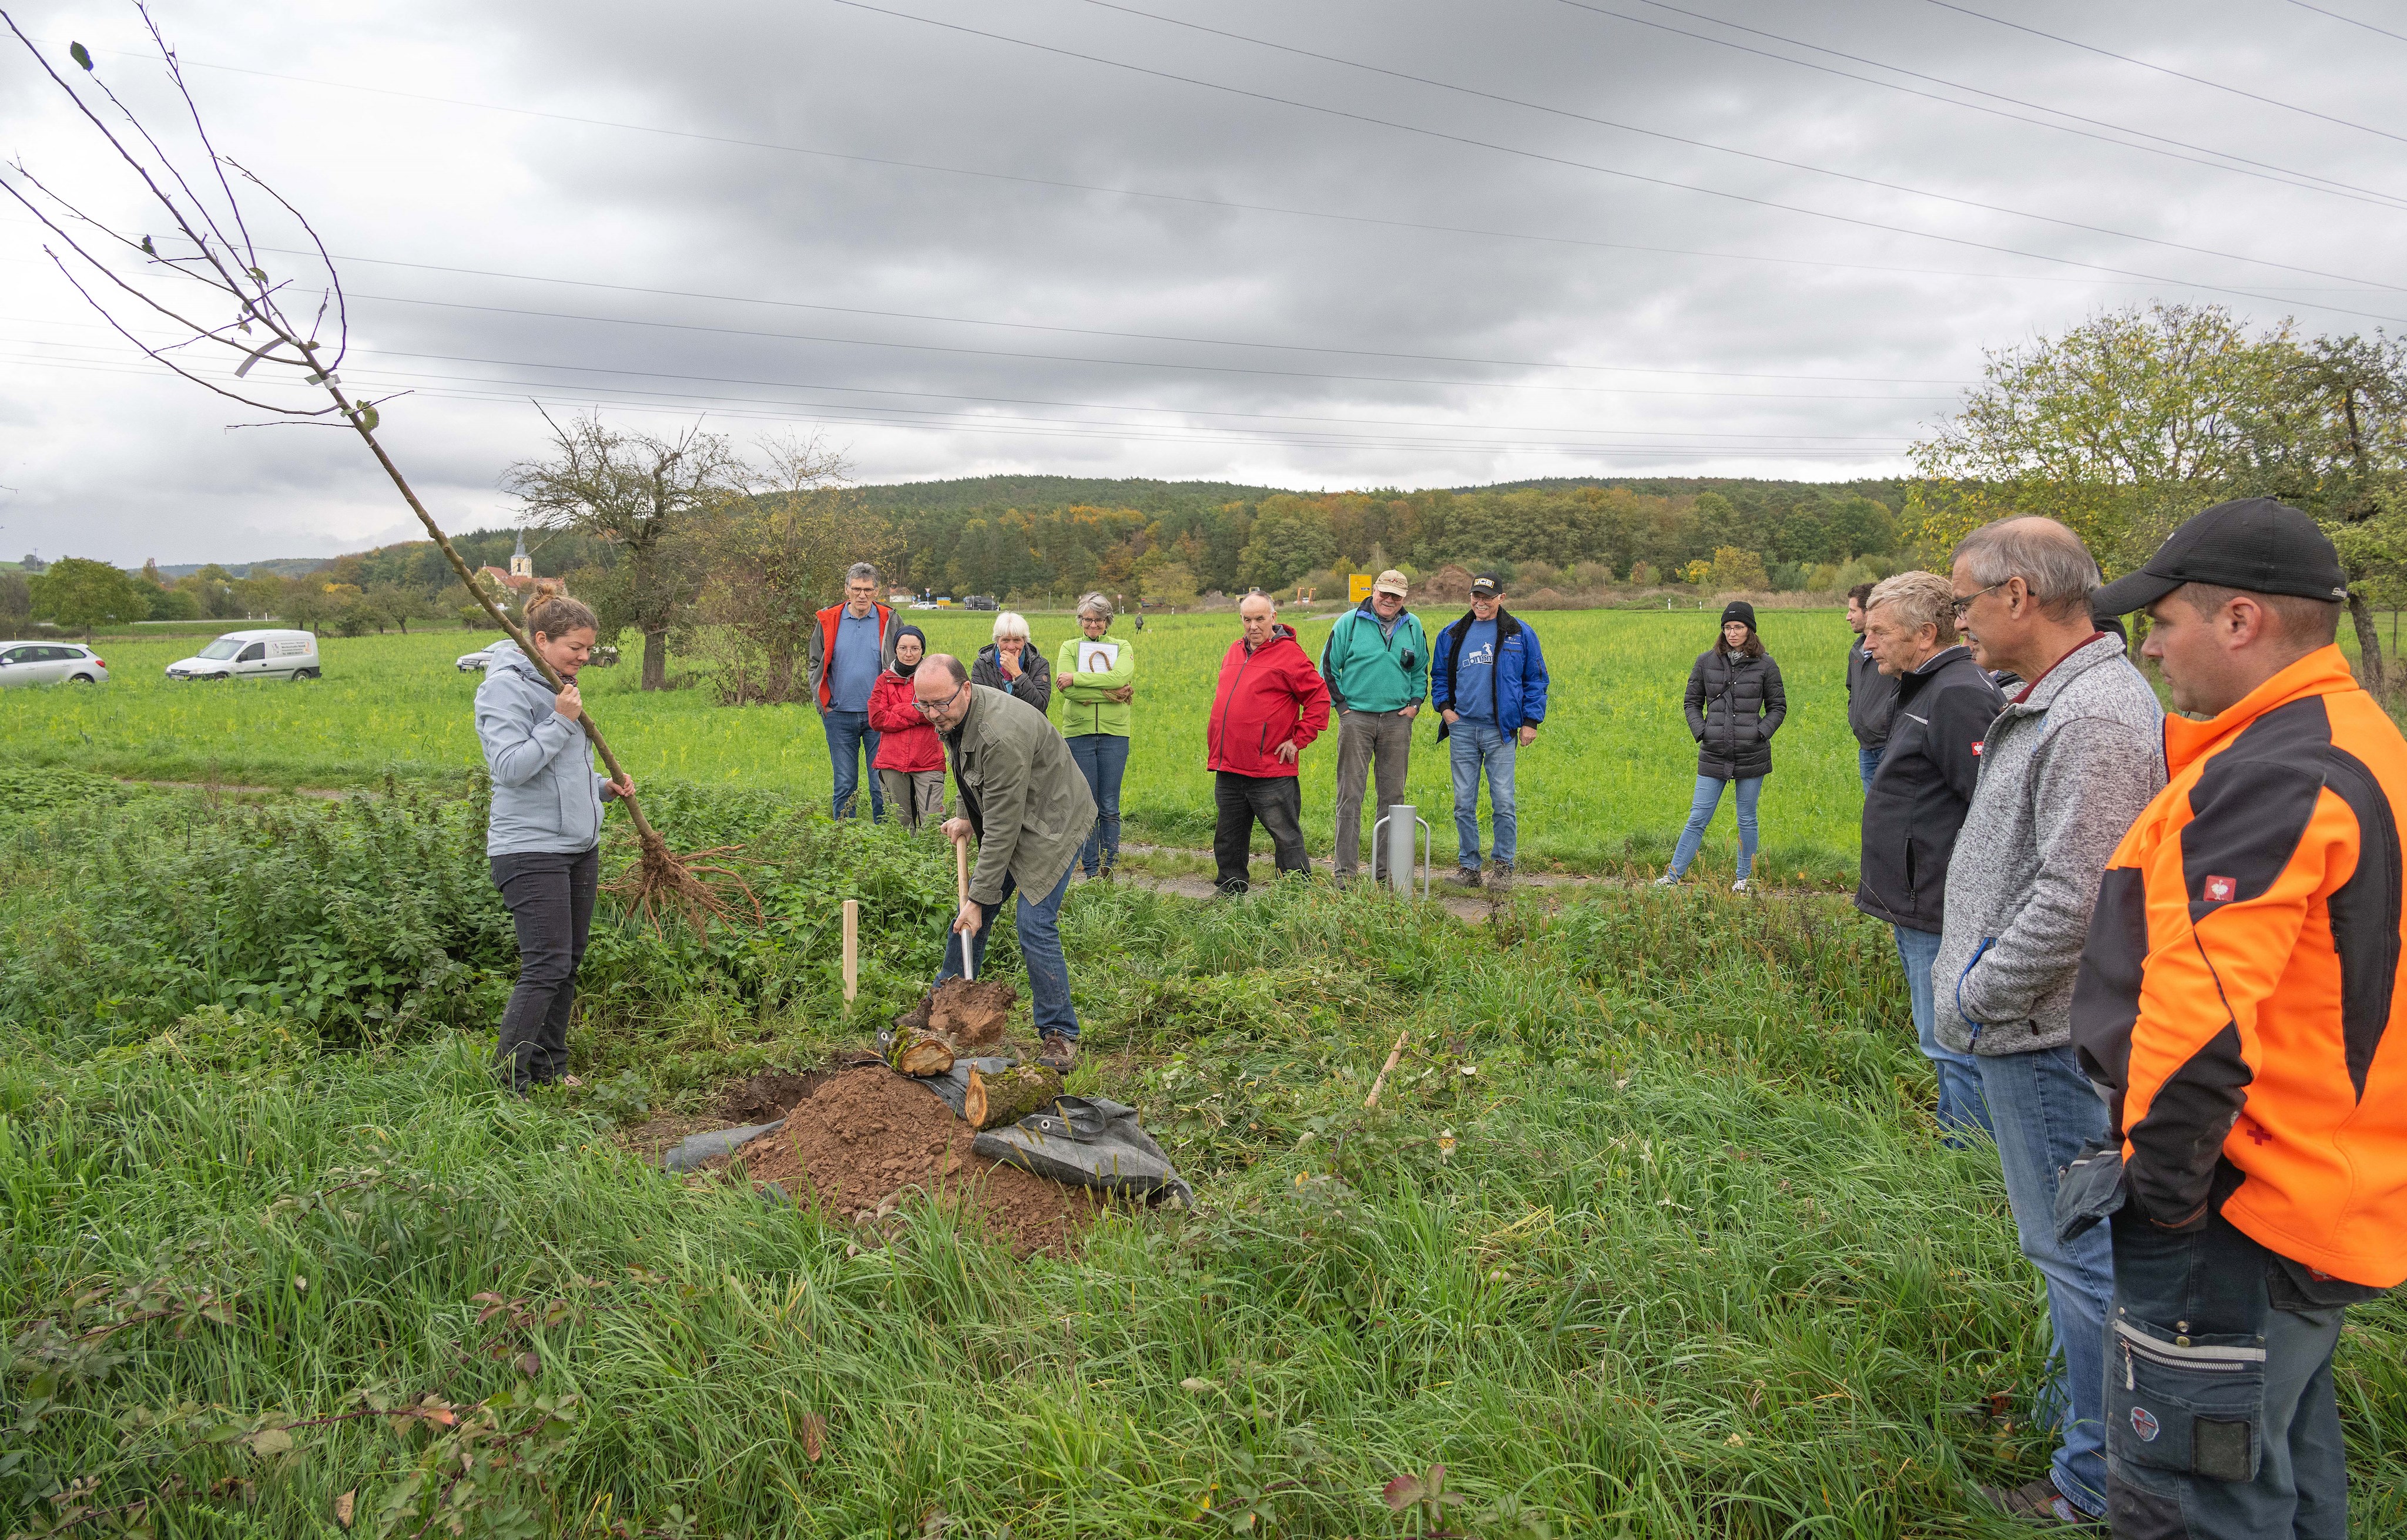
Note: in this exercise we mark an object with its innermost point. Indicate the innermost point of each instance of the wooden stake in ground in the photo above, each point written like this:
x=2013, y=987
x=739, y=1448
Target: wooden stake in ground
x=206, y=253
x=1393, y=1054
x=852, y=951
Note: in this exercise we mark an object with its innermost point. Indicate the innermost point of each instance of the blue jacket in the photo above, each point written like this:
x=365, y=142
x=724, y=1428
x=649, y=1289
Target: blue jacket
x=545, y=795
x=1521, y=672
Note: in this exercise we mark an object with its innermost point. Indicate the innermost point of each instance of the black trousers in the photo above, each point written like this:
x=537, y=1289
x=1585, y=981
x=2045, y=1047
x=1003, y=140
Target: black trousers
x=1277, y=802
x=551, y=897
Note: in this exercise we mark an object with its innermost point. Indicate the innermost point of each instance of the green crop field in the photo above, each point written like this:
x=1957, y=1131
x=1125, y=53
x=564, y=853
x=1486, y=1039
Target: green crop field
x=1607, y=783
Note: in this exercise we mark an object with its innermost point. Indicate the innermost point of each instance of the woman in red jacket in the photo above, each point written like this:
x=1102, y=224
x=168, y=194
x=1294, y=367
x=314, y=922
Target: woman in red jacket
x=910, y=760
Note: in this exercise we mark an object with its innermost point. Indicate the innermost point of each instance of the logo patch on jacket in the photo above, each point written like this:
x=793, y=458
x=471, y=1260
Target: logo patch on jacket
x=1976, y=748
x=2143, y=1422
x=2221, y=890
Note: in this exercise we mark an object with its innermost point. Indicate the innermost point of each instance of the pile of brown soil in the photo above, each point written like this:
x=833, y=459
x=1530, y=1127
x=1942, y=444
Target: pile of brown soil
x=864, y=1139
x=763, y=1098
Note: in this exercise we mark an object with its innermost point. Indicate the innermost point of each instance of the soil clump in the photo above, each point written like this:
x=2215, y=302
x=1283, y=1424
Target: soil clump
x=763, y=1098
x=864, y=1139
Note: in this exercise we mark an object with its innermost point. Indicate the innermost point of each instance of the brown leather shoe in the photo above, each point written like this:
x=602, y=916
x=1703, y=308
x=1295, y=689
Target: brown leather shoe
x=2040, y=1504
x=1057, y=1052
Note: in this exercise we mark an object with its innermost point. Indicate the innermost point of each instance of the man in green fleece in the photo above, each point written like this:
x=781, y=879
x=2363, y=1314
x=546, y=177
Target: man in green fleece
x=1376, y=663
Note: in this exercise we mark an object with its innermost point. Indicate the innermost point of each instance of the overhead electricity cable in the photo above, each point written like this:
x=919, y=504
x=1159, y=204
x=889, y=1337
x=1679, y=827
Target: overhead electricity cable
x=1702, y=144
x=1233, y=205
x=1543, y=156
x=2350, y=20
x=2162, y=69
x=2262, y=170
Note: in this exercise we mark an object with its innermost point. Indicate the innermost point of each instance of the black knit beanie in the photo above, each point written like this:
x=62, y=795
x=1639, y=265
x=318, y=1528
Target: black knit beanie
x=1740, y=610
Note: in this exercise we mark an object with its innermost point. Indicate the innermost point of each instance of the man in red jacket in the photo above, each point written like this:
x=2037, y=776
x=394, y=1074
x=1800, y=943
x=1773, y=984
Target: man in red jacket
x=1271, y=701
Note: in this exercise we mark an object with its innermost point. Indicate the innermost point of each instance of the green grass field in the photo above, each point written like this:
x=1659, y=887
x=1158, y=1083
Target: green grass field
x=1607, y=783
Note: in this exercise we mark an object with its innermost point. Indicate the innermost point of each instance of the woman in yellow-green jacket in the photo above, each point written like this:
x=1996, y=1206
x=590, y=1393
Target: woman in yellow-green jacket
x=1093, y=679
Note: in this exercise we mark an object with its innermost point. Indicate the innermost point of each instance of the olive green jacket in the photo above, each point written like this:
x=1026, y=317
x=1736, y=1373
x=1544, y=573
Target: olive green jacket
x=1023, y=794
x=1087, y=707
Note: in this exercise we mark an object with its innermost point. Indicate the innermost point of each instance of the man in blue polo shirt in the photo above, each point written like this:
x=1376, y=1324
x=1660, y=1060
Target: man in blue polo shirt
x=1488, y=679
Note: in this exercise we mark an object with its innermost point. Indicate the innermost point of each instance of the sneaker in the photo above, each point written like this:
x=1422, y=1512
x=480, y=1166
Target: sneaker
x=571, y=1082
x=1741, y=886
x=1667, y=880
x=1057, y=1052
x=1466, y=877
x=2039, y=1503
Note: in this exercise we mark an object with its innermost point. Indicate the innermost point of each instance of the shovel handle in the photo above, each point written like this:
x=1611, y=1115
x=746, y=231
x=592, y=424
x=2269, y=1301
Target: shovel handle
x=962, y=885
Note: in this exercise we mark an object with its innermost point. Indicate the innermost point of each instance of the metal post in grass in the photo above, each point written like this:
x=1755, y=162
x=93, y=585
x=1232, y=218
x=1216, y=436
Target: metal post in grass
x=210, y=256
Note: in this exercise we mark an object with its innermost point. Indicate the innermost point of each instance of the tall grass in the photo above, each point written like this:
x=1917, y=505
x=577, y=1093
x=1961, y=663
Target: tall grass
x=1652, y=1236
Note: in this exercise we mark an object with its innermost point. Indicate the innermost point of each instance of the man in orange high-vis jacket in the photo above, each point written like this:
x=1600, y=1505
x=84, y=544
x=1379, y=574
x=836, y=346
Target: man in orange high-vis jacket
x=2234, y=1008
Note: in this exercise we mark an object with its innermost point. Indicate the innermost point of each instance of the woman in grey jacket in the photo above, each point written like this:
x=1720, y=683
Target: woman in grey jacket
x=544, y=835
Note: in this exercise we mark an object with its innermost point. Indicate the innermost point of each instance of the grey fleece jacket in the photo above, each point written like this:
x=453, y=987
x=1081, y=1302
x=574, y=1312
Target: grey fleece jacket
x=2063, y=775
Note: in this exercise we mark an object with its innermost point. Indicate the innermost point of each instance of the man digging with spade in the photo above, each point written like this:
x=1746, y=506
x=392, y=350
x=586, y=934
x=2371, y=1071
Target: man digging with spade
x=1027, y=806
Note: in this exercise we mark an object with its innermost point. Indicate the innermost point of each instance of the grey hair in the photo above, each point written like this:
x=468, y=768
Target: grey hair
x=1920, y=599
x=859, y=570
x=1010, y=622
x=1094, y=603
x=2049, y=558
x=1258, y=593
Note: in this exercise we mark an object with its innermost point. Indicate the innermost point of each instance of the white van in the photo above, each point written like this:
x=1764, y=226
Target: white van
x=252, y=655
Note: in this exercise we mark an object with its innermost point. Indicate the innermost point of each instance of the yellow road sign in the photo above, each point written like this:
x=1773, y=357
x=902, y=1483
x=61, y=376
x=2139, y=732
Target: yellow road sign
x=1358, y=587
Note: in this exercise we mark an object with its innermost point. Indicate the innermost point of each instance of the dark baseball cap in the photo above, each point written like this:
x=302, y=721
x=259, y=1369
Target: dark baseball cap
x=1487, y=586
x=2252, y=544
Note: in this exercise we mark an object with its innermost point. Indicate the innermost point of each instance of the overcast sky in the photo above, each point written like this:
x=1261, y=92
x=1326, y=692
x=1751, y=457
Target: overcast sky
x=1097, y=240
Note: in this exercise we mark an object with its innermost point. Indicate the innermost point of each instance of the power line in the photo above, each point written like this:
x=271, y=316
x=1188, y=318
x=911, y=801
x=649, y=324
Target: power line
x=2267, y=171
x=1614, y=171
x=1700, y=144
x=2350, y=20
x=2178, y=74
x=1282, y=209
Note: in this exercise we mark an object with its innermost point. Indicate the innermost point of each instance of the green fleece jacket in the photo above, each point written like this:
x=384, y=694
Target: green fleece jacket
x=1083, y=705
x=1023, y=793
x=1368, y=672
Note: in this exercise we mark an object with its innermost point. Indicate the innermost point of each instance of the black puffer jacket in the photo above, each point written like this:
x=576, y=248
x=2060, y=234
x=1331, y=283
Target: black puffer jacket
x=1916, y=803
x=1733, y=710
x=1035, y=682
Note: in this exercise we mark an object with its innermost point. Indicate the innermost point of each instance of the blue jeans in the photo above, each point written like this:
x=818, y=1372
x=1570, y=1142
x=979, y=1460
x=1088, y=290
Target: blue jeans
x=1476, y=747
x=2045, y=1113
x=1868, y=761
x=852, y=745
x=1040, y=948
x=1700, y=813
x=1960, y=1107
x=1102, y=758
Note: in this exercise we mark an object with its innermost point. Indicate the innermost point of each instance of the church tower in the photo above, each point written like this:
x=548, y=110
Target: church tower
x=522, y=565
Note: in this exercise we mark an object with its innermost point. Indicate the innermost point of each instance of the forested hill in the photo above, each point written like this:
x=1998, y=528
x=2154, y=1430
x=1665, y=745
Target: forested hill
x=1040, y=492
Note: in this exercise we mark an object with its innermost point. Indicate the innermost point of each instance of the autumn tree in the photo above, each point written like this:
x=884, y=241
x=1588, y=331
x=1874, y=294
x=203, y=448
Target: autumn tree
x=646, y=494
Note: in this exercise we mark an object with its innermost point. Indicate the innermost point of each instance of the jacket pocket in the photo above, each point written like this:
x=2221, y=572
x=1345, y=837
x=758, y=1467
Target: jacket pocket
x=1970, y=963
x=2090, y=1190
x=2194, y=1405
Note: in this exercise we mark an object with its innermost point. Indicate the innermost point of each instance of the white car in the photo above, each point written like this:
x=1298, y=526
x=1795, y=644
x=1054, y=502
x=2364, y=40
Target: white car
x=50, y=662
x=473, y=663
x=251, y=655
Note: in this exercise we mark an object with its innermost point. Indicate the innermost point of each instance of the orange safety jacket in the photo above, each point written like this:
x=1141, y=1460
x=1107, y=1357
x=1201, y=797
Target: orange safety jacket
x=2236, y=993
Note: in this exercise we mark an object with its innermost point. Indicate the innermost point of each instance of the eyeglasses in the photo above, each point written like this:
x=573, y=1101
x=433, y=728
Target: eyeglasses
x=937, y=709
x=1957, y=607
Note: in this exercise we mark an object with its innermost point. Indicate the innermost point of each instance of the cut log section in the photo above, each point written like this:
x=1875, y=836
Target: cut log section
x=1010, y=1096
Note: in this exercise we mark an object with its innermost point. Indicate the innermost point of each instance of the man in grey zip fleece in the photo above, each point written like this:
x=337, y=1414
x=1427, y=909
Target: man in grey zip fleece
x=2065, y=768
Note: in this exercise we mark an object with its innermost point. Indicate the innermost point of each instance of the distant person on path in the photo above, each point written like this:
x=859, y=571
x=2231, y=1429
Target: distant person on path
x=851, y=644
x=1028, y=808
x=1012, y=664
x=1269, y=704
x=1095, y=723
x=1916, y=803
x=1376, y=663
x=2070, y=761
x=910, y=760
x=543, y=835
x=1488, y=679
x=1735, y=703
x=1872, y=695
x=2236, y=1009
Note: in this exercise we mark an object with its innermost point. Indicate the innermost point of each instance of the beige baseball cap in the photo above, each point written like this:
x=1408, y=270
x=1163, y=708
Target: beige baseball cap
x=1389, y=581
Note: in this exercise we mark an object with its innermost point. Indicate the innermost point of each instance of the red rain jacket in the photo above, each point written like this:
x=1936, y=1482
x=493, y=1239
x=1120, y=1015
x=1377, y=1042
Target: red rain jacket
x=1267, y=697
x=907, y=740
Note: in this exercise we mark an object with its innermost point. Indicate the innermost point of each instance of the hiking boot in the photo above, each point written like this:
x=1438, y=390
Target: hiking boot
x=1466, y=877
x=1057, y=1052
x=1499, y=874
x=2040, y=1504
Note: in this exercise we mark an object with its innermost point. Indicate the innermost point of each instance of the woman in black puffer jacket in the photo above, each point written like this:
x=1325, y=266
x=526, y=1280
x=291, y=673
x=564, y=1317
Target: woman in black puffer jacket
x=1735, y=703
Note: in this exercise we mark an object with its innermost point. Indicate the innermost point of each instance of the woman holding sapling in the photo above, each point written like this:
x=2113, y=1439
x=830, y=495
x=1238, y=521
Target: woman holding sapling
x=1735, y=703
x=544, y=835
x=1094, y=679
x=910, y=758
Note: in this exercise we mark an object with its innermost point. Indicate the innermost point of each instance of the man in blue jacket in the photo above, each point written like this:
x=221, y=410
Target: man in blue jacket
x=1376, y=666
x=1488, y=679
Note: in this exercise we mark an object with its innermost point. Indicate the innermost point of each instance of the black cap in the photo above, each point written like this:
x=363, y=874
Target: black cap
x=2253, y=544
x=1487, y=586
x=1741, y=611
